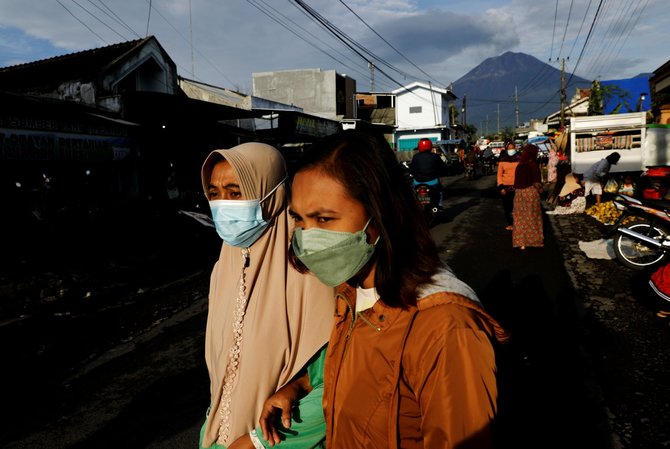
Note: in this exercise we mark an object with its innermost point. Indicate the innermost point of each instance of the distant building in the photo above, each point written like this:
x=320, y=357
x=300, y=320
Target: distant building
x=324, y=93
x=422, y=111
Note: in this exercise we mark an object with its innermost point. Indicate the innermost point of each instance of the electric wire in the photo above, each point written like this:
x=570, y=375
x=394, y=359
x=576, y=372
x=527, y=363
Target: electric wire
x=586, y=41
x=82, y=22
x=565, y=30
x=350, y=42
x=354, y=46
x=109, y=13
x=574, y=43
x=630, y=29
x=607, y=38
x=553, y=32
x=99, y=20
x=387, y=42
x=283, y=24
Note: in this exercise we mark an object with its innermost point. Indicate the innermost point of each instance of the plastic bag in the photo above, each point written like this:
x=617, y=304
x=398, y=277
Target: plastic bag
x=611, y=186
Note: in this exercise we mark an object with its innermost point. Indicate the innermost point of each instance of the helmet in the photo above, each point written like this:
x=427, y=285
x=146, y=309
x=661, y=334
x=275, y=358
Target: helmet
x=425, y=145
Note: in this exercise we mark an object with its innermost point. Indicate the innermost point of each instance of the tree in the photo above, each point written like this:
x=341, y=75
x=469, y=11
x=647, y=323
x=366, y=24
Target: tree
x=453, y=114
x=595, y=99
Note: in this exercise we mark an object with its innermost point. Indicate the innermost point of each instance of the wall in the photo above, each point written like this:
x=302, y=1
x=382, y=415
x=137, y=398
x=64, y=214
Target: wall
x=431, y=109
x=313, y=90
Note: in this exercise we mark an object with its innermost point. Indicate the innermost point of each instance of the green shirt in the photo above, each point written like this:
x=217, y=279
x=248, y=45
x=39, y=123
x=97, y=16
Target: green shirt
x=308, y=425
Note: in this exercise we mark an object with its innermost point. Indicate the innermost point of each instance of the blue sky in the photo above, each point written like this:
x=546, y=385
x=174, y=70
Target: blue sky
x=222, y=42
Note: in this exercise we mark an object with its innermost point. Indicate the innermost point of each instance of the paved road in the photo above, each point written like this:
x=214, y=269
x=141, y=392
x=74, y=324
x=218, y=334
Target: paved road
x=586, y=367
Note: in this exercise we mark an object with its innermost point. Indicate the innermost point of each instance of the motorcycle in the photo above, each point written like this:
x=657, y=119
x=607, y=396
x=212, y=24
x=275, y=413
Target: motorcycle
x=487, y=165
x=642, y=231
x=469, y=170
x=428, y=196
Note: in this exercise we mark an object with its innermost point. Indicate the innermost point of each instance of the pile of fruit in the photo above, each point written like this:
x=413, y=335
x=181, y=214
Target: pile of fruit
x=606, y=213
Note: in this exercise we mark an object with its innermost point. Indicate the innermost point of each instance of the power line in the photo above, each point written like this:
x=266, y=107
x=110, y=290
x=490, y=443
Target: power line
x=565, y=31
x=387, y=42
x=98, y=19
x=586, y=42
x=109, y=13
x=311, y=43
x=80, y=21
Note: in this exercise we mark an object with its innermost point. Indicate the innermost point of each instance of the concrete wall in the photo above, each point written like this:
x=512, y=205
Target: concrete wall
x=313, y=90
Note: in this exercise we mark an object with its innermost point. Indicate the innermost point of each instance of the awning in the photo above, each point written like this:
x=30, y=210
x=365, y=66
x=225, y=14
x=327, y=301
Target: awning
x=451, y=142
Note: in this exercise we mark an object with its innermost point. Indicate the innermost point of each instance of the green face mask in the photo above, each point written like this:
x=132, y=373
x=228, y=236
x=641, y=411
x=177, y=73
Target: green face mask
x=334, y=257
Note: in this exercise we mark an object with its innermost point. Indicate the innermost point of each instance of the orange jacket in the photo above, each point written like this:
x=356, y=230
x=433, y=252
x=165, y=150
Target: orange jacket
x=417, y=378
x=506, y=171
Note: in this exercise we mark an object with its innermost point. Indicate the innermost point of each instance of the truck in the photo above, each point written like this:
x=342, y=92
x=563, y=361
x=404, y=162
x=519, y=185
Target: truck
x=640, y=145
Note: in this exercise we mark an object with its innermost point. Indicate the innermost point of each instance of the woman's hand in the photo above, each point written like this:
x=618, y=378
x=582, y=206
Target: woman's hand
x=280, y=404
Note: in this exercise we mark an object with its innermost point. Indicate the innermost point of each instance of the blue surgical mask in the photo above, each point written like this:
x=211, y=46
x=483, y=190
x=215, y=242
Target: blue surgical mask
x=239, y=222
x=511, y=152
x=334, y=257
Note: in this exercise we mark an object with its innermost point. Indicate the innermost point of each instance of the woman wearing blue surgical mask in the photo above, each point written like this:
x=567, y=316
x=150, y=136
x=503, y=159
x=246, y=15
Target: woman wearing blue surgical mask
x=267, y=323
x=410, y=360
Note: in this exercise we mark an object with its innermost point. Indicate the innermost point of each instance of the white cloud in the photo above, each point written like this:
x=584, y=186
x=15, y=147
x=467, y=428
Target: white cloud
x=231, y=39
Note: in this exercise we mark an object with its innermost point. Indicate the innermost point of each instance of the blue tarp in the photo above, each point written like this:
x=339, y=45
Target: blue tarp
x=624, y=95
x=538, y=139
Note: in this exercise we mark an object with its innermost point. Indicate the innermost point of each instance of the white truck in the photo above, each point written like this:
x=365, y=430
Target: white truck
x=640, y=145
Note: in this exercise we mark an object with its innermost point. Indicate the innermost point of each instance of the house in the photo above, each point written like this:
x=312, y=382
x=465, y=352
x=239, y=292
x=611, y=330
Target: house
x=422, y=111
x=121, y=119
x=659, y=85
x=113, y=117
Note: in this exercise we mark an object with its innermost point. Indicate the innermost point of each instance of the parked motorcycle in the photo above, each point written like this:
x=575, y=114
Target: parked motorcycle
x=642, y=231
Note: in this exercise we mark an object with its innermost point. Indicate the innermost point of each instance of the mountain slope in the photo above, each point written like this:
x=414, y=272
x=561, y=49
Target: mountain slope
x=489, y=89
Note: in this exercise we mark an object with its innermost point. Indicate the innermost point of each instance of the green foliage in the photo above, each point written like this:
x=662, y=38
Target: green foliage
x=595, y=99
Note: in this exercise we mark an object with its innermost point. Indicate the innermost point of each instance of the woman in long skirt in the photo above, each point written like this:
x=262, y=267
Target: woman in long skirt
x=528, y=230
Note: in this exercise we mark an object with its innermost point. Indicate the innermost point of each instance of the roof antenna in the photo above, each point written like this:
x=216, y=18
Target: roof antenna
x=190, y=26
x=148, y=19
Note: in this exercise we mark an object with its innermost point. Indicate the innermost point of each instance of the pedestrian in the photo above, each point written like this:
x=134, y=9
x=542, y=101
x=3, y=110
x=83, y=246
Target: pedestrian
x=570, y=199
x=410, y=360
x=507, y=163
x=266, y=322
x=552, y=172
x=595, y=175
x=528, y=230
x=627, y=187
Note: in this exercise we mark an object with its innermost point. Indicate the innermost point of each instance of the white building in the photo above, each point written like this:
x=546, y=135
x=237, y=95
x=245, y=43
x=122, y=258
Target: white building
x=422, y=111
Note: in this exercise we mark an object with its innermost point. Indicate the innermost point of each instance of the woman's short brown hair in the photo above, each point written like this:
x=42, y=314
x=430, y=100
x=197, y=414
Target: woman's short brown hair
x=366, y=166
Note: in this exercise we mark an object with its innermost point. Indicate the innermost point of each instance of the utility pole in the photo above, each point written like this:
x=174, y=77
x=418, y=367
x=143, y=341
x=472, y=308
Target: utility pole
x=498, y=131
x=464, y=111
x=516, y=106
x=562, y=93
x=371, y=66
x=487, y=124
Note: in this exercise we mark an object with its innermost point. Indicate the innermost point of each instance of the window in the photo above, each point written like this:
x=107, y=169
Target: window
x=415, y=109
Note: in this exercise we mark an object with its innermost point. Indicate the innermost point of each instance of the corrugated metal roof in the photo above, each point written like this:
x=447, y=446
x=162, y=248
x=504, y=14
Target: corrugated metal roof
x=51, y=72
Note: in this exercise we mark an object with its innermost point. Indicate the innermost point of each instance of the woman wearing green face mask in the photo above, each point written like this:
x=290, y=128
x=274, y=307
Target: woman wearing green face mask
x=410, y=360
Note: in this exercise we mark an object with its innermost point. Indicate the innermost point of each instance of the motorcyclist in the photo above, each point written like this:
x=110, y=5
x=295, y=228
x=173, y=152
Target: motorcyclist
x=427, y=167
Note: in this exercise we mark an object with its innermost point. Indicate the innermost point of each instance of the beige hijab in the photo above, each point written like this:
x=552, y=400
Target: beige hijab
x=283, y=317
